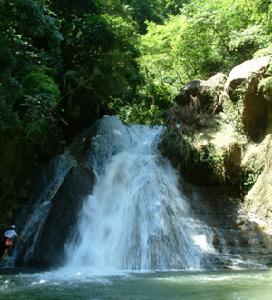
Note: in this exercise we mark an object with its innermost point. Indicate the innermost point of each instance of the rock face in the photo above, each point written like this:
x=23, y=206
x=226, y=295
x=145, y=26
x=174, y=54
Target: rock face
x=61, y=189
x=254, y=227
x=197, y=98
x=246, y=70
x=61, y=220
x=259, y=198
x=243, y=83
x=201, y=93
x=234, y=146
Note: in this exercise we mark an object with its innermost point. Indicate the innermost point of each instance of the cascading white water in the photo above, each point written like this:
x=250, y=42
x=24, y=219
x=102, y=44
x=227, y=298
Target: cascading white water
x=137, y=217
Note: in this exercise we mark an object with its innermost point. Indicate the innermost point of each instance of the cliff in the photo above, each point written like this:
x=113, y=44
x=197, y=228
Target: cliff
x=219, y=135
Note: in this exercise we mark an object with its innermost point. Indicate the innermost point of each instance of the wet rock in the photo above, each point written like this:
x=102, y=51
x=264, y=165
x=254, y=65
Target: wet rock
x=60, y=222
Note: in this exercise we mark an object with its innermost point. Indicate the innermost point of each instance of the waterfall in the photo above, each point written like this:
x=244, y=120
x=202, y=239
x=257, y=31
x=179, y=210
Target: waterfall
x=137, y=217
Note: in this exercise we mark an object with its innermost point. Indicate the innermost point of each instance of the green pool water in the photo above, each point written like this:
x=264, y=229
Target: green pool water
x=16, y=284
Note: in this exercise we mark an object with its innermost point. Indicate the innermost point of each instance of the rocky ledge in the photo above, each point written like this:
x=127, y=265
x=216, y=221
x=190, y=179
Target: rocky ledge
x=219, y=135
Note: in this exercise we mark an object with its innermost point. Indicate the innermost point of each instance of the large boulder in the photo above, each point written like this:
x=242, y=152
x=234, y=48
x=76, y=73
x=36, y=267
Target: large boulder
x=61, y=221
x=242, y=88
x=53, y=219
x=47, y=224
x=246, y=71
x=201, y=93
x=195, y=103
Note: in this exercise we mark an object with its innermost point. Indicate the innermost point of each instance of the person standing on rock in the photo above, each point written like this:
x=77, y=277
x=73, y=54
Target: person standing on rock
x=10, y=237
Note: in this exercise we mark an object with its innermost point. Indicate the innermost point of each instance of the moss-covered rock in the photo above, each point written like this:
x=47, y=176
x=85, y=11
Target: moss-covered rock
x=198, y=140
x=230, y=149
x=210, y=147
x=250, y=101
x=201, y=160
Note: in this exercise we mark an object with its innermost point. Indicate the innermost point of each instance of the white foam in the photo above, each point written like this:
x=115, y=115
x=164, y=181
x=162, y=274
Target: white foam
x=137, y=217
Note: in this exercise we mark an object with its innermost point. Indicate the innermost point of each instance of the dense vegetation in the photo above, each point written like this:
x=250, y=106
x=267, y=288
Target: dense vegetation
x=66, y=63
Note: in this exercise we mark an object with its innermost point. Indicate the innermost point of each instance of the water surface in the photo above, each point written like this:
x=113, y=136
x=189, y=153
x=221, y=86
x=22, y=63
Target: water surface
x=142, y=286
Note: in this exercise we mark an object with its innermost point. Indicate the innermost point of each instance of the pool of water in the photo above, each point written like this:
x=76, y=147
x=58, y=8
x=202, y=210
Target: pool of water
x=219, y=285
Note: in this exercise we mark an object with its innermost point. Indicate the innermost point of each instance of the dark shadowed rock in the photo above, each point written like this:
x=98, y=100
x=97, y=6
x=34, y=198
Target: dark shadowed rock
x=60, y=222
x=192, y=89
x=32, y=217
x=63, y=184
x=201, y=93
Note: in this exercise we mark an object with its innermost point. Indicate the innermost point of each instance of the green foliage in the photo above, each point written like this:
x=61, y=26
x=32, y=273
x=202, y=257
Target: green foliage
x=250, y=173
x=209, y=159
x=141, y=113
x=152, y=10
x=234, y=110
x=205, y=38
x=158, y=60
x=265, y=85
x=63, y=65
x=66, y=63
x=38, y=82
x=264, y=51
x=218, y=164
x=201, y=164
x=29, y=50
x=41, y=95
x=9, y=119
x=96, y=59
x=101, y=69
x=23, y=49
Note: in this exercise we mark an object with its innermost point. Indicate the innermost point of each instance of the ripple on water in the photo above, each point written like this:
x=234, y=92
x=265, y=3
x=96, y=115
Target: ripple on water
x=245, y=285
